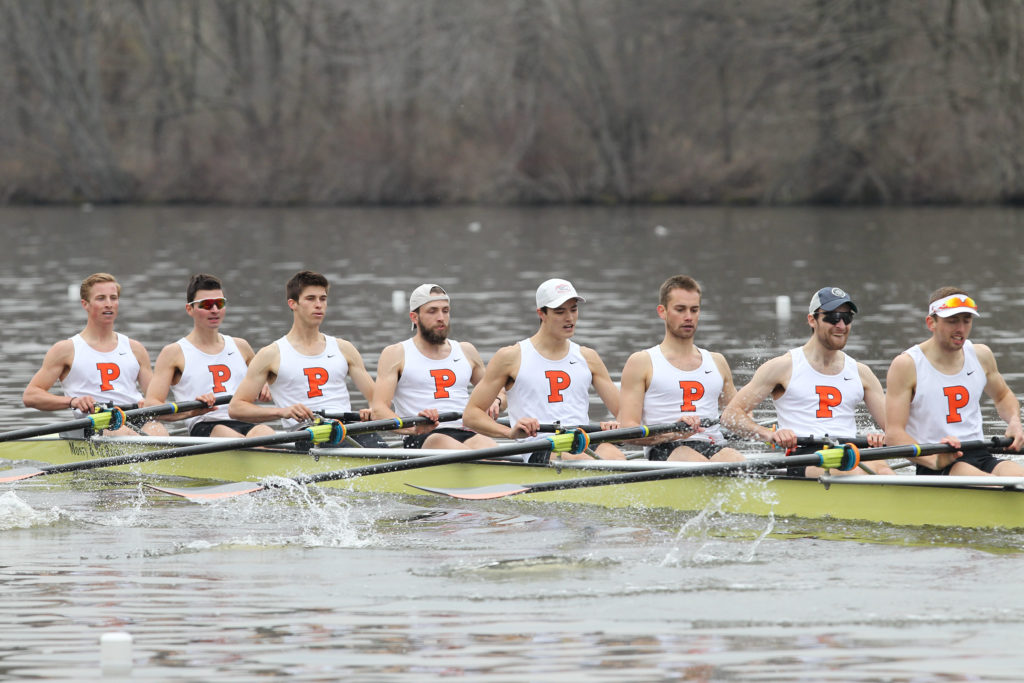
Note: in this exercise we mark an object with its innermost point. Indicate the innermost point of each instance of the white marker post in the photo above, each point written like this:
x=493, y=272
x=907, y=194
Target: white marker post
x=116, y=653
x=782, y=307
x=398, y=300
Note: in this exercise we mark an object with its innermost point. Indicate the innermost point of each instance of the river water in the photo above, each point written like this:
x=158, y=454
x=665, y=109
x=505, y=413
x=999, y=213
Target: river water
x=324, y=585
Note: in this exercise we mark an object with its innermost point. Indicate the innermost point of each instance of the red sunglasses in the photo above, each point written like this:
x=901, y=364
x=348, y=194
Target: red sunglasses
x=209, y=304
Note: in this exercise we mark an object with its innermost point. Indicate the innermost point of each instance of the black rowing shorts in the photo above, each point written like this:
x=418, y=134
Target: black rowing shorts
x=416, y=440
x=982, y=459
x=702, y=446
x=204, y=428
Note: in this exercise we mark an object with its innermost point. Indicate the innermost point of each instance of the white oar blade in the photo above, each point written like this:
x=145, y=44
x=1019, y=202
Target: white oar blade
x=20, y=473
x=478, y=493
x=238, y=488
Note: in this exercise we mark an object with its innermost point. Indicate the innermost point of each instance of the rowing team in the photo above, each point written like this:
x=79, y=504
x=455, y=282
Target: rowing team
x=934, y=388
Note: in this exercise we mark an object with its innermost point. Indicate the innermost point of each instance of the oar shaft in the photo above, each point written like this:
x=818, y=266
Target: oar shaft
x=721, y=468
x=215, y=446
x=83, y=422
x=392, y=423
x=42, y=430
x=174, y=408
x=518, y=448
x=353, y=416
x=819, y=441
x=548, y=427
x=347, y=416
x=218, y=445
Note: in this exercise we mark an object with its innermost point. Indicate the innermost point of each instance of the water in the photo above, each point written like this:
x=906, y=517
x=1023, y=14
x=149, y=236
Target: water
x=323, y=585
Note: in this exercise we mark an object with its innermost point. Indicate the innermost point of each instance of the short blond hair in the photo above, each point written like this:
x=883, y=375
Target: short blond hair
x=684, y=282
x=96, y=278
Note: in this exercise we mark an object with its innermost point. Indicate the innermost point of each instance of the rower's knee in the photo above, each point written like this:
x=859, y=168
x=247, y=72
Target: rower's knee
x=154, y=428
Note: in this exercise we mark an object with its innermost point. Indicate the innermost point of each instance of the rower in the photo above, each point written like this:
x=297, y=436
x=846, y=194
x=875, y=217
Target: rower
x=676, y=381
x=306, y=368
x=97, y=365
x=429, y=374
x=935, y=387
x=546, y=377
x=816, y=387
x=205, y=363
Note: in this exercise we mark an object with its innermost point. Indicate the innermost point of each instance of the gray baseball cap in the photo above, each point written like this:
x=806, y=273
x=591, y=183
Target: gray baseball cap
x=829, y=299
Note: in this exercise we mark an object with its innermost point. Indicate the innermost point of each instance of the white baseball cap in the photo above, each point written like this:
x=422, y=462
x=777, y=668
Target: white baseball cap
x=421, y=295
x=555, y=292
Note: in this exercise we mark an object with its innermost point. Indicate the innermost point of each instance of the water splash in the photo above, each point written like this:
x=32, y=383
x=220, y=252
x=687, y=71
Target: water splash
x=716, y=536
x=290, y=514
x=15, y=513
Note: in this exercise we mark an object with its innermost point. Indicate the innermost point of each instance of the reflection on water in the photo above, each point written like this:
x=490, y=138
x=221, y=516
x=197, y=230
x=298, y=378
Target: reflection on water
x=322, y=585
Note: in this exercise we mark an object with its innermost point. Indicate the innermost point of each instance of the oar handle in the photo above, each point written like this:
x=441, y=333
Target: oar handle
x=346, y=416
x=385, y=424
x=822, y=441
x=175, y=408
x=548, y=427
x=392, y=423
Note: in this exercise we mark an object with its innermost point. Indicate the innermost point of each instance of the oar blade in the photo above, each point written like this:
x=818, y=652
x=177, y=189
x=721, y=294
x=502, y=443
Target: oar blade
x=7, y=476
x=216, y=492
x=477, y=493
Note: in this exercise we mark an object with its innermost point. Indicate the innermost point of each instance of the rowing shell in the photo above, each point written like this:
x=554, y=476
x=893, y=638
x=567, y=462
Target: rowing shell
x=906, y=500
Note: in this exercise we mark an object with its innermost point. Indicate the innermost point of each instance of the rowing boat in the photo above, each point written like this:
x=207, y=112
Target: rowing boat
x=906, y=500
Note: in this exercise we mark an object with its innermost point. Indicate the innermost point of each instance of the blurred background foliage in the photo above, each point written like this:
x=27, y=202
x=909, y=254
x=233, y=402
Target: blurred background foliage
x=517, y=101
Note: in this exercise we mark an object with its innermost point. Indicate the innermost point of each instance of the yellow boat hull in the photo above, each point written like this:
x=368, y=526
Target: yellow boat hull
x=782, y=497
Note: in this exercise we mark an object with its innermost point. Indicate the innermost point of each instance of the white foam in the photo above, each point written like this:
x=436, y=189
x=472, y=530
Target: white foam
x=17, y=514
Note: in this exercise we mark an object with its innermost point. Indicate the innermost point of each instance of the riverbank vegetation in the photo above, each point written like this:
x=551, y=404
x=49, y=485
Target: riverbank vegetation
x=411, y=101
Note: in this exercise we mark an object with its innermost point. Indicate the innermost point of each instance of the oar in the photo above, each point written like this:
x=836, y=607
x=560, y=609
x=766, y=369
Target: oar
x=572, y=442
x=826, y=441
x=329, y=433
x=111, y=418
x=550, y=427
x=347, y=416
x=353, y=416
x=843, y=458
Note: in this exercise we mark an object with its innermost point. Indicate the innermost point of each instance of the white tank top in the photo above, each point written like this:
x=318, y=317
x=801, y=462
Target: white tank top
x=220, y=373
x=428, y=383
x=815, y=404
x=317, y=382
x=947, y=405
x=551, y=390
x=108, y=377
x=676, y=393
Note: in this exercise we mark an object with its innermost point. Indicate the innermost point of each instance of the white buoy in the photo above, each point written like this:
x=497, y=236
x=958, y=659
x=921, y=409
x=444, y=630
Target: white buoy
x=475, y=226
x=74, y=292
x=660, y=230
x=398, y=300
x=782, y=307
x=116, y=652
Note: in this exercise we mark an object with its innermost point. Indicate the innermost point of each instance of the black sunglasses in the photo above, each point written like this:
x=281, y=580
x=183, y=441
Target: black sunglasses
x=833, y=317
